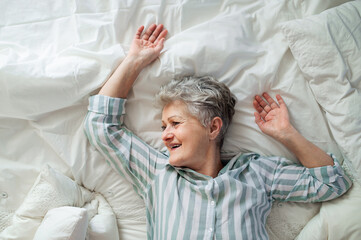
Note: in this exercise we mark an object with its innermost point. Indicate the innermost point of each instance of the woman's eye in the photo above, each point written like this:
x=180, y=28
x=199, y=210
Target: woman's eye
x=175, y=123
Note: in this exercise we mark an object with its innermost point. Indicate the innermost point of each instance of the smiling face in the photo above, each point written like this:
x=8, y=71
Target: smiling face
x=186, y=139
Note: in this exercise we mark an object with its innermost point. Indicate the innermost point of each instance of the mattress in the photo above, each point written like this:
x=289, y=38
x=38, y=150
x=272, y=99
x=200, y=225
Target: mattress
x=55, y=54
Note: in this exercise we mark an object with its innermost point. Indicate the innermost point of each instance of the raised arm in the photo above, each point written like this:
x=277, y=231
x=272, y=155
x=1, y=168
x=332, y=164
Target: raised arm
x=273, y=120
x=143, y=51
x=127, y=154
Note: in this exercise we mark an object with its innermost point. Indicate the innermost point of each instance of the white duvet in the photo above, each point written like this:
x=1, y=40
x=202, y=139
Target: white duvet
x=54, y=55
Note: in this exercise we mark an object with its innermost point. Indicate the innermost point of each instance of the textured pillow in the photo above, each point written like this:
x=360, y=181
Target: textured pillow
x=51, y=190
x=327, y=48
x=63, y=223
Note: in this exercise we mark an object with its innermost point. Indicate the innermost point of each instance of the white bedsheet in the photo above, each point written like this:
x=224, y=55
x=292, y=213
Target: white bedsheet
x=54, y=54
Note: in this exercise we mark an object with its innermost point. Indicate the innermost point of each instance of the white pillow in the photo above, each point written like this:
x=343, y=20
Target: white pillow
x=51, y=190
x=338, y=219
x=103, y=223
x=327, y=48
x=211, y=48
x=63, y=223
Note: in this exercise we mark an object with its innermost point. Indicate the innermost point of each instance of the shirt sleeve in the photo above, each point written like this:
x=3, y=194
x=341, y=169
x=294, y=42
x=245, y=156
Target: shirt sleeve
x=293, y=182
x=125, y=153
x=287, y=181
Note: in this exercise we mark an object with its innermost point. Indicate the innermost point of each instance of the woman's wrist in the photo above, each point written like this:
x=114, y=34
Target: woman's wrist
x=123, y=78
x=306, y=152
x=133, y=63
x=290, y=134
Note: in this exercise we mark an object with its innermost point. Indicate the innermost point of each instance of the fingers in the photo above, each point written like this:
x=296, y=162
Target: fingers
x=259, y=121
x=269, y=105
x=264, y=107
x=155, y=33
x=259, y=108
x=149, y=31
x=161, y=36
x=159, y=45
x=280, y=101
x=139, y=32
x=270, y=100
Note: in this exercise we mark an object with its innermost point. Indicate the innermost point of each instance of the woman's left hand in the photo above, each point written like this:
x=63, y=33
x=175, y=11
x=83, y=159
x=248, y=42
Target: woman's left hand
x=273, y=118
x=146, y=47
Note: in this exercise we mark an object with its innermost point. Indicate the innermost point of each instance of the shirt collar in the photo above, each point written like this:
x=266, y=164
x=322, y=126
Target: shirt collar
x=239, y=162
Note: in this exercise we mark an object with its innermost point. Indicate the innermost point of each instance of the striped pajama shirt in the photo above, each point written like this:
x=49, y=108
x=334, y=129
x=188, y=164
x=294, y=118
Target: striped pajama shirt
x=183, y=204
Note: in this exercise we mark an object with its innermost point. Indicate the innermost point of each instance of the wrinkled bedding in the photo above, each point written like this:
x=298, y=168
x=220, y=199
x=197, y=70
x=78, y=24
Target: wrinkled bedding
x=54, y=55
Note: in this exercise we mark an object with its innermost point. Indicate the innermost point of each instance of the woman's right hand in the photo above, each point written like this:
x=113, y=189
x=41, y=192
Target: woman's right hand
x=146, y=47
x=144, y=50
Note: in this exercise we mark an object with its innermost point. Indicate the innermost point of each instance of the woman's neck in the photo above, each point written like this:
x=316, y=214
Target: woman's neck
x=212, y=164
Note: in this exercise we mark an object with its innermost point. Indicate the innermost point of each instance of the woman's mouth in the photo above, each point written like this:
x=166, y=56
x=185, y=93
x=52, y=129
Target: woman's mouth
x=175, y=146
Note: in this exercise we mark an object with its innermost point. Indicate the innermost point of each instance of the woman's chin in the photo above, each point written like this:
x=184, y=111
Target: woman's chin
x=175, y=162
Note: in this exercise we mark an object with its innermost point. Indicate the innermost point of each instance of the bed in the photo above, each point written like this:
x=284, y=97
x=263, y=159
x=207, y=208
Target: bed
x=55, y=54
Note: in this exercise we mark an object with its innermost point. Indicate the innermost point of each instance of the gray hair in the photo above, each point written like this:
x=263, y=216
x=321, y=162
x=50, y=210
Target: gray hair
x=205, y=97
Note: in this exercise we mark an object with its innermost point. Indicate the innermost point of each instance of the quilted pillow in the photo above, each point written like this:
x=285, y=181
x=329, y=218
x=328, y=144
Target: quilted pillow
x=51, y=190
x=327, y=48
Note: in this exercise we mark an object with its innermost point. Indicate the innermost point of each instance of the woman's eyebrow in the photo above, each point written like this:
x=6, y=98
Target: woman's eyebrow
x=174, y=116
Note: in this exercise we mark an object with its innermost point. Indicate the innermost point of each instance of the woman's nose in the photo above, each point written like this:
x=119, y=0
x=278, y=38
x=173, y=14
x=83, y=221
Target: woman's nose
x=167, y=135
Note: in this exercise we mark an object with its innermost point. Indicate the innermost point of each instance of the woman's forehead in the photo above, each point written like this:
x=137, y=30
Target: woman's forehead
x=175, y=108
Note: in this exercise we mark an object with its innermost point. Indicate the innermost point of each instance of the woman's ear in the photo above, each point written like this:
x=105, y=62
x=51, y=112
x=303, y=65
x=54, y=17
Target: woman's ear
x=215, y=127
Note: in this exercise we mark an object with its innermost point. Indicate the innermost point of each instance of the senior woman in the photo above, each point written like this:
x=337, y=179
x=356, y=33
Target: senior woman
x=189, y=193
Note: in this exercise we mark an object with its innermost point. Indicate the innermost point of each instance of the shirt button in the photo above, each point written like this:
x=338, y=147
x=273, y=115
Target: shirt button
x=4, y=195
x=210, y=230
x=212, y=203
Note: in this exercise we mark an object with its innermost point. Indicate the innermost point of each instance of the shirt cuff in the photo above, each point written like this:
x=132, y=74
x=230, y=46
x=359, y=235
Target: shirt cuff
x=328, y=174
x=106, y=105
